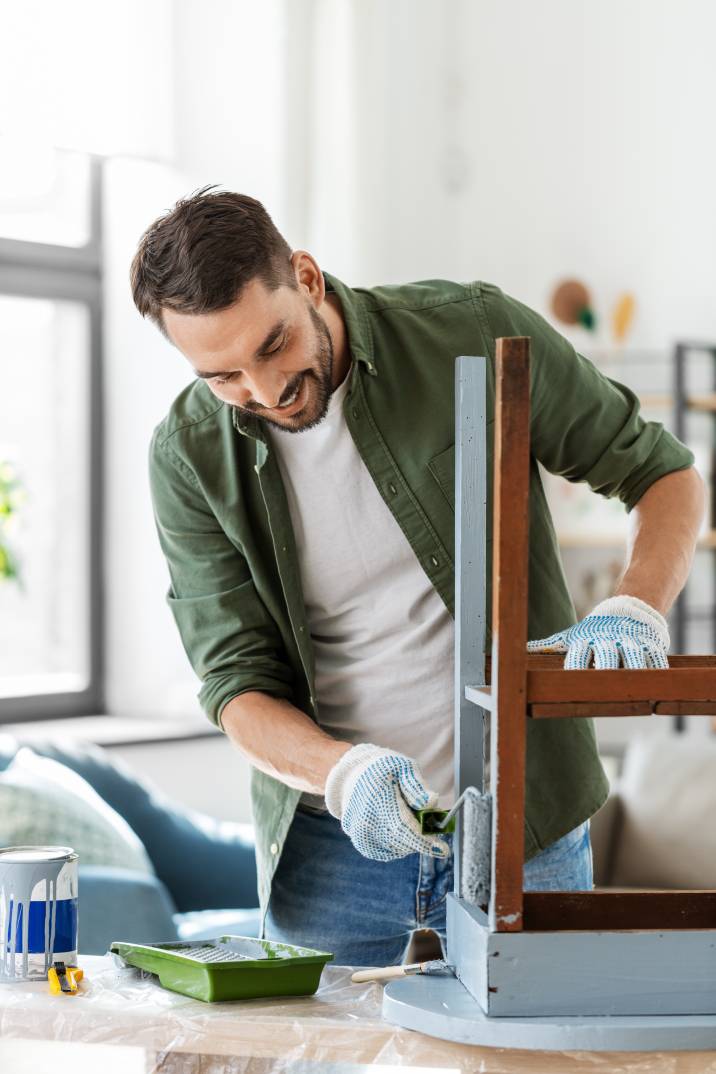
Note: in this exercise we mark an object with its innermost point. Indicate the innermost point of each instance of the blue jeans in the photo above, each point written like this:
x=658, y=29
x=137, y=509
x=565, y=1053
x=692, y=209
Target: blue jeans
x=327, y=896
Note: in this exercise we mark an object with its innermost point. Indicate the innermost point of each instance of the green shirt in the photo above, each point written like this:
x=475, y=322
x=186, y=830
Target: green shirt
x=225, y=529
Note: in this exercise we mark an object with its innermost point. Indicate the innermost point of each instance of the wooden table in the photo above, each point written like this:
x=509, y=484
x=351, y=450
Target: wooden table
x=123, y=1022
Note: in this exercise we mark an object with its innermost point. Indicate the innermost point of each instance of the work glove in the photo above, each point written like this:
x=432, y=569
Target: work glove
x=620, y=630
x=372, y=791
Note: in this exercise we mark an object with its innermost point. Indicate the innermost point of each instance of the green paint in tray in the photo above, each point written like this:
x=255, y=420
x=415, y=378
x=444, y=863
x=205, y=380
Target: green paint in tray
x=228, y=967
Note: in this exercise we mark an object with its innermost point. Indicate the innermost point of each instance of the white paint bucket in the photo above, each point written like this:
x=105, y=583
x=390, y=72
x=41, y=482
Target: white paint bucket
x=38, y=911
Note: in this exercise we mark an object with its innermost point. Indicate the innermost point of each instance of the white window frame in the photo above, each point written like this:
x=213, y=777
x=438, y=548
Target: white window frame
x=74, y=274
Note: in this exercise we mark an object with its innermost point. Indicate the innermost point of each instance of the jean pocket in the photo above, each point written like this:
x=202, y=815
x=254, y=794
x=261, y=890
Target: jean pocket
x=567, y=844
x=566, y=865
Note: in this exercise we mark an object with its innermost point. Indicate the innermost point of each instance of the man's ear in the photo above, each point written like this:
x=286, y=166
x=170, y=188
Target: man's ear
x=309, y=277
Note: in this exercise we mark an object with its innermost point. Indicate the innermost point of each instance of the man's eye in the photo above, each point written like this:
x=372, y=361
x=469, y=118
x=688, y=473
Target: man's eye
x=279, y=346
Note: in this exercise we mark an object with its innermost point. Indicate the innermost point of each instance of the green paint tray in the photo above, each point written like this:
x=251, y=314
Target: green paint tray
x=228, y=967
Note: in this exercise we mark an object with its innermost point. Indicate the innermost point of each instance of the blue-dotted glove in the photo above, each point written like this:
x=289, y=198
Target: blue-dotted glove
x=373, y=791
x=620, y=630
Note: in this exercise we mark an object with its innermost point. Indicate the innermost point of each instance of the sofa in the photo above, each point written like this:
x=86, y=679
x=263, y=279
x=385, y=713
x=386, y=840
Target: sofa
x=656, y=830
x=658, y=826
x=204, y=882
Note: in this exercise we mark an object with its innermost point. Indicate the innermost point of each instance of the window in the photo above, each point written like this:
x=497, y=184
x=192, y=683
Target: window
x=45, y=195
x=50, y=440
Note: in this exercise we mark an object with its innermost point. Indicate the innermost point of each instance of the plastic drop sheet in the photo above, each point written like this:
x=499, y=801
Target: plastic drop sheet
x=339, y=1030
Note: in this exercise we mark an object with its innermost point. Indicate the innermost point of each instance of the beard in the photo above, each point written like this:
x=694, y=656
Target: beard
x=319, y=384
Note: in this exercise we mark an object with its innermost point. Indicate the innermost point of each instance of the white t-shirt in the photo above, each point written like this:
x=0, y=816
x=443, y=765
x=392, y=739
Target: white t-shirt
x=382, y=636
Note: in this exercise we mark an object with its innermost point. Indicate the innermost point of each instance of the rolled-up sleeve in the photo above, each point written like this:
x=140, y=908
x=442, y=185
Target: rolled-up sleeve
x=584, y=426
x=232, y=642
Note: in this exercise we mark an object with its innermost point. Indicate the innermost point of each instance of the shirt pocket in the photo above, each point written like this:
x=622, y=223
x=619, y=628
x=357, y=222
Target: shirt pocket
x=442, y=467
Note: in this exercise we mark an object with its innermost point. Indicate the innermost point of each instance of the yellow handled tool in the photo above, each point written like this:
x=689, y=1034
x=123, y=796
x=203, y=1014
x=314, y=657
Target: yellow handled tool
x=64, y=978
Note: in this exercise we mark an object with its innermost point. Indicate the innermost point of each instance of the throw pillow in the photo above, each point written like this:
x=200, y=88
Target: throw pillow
x=44, y=803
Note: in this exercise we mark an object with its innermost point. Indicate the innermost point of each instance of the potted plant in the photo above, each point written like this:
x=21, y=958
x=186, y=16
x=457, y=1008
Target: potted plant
x=10, y=498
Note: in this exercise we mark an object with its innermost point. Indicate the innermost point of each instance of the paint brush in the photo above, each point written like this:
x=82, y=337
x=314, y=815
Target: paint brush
x=435, y=965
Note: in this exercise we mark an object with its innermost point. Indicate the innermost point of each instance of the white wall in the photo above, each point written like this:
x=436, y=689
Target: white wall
x=207, y=774
x=147, y=671
x=500, y=139
x=88, y=76
x=226, y=96
x=520, y=142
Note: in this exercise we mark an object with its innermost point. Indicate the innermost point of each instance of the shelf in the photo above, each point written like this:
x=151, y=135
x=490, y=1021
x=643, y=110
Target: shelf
x=628, y=357
x=704, y=403
x=700, y=614
x=615, y=540
x=687, y=688
x=586, y=540
x=666, y=401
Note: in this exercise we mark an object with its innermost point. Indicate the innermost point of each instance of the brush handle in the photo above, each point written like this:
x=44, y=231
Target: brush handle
x=384, y=974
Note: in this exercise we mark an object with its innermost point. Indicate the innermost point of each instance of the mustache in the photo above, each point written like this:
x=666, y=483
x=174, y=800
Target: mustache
x=296, y=383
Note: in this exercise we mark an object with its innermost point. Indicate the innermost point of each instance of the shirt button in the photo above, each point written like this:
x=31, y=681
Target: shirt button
x=435, y=561
x=301, y=629
x=392, y=488
x=355, y=411
x=274, y=848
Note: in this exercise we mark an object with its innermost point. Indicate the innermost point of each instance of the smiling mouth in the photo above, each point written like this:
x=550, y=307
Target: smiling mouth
x=290, y=402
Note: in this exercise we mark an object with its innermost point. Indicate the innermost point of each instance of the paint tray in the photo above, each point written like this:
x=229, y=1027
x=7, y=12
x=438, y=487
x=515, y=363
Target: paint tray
x=229, y=967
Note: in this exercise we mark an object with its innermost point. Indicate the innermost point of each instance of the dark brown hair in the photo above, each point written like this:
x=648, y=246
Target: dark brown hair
x=197, y=257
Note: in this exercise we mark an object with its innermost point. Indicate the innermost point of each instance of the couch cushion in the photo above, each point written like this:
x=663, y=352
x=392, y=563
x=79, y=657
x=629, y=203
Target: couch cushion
x=43, y=802
x=204, y=862
x=208, y=924
x=604, y=831
x=119, y=904
x=668, y=796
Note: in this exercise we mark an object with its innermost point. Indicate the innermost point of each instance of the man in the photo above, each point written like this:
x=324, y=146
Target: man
x=303, y=491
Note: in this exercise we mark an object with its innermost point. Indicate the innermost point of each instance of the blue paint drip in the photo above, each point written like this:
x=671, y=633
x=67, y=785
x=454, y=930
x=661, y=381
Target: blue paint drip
x=65, y=926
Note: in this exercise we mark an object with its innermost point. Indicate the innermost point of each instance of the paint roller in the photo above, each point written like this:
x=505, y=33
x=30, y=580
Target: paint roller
x=474, y=869
x=476, y=841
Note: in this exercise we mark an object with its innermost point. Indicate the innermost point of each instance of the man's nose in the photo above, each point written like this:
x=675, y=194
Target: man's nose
x=264, y=389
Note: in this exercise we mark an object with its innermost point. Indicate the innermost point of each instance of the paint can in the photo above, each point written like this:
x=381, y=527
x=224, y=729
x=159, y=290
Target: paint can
x=38, y=910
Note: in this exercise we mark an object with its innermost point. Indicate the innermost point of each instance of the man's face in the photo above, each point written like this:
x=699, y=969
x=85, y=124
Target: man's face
x=270, y=354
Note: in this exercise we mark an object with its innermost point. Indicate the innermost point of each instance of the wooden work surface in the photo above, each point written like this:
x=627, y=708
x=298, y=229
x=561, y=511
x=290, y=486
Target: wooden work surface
x=137, y=1027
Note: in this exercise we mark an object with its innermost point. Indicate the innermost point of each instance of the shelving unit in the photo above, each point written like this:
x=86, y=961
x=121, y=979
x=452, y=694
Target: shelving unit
x=517, y=958
x=671, y=386
x=579, y=540
x=686, y=403
x=585, y=522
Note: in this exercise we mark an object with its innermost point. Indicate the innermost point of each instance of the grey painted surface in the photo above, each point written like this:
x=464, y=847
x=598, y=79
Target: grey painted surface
x=470, y=566
x=581, y=973
x=207, y=774
x=569, y=990
x=441, y=1007
x=467, y=937
x=602, y=973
